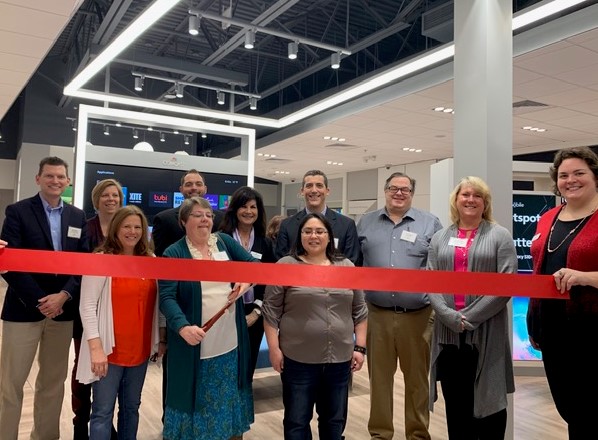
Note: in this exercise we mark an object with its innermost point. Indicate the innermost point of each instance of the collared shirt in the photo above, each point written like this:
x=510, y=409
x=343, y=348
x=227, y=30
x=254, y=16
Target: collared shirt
x=54, y=216
x=403, y=246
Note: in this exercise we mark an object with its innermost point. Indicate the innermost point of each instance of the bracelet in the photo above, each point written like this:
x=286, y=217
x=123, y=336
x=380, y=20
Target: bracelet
x=359, y=349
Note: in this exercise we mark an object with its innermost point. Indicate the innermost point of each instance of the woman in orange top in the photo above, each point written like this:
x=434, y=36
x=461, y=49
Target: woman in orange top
x=120, y=325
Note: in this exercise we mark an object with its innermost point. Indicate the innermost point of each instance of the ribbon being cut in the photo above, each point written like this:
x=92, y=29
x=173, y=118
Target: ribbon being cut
x=368, y=278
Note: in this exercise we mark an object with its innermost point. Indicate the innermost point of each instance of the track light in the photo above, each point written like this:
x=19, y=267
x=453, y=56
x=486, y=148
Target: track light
x=106, y=130
x=74, y=124
x=220, y=97
x=162, y=137
x=335, y=60
x=178, y=90
x=150, y=128
x=193, y=24
x=203, y=135
x=293, y=49
x=250, y=39
x=253, y=103
x=138, y=83
x=175, y=131
x=186, y=140
x=119, y=124
x=135, y=134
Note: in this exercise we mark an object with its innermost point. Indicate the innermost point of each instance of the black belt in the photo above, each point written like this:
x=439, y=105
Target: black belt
x=399, y=309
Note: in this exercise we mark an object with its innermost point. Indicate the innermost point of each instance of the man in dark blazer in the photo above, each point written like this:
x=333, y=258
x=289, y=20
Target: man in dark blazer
x=39, y=308
x=166, y=228
x=314, y=189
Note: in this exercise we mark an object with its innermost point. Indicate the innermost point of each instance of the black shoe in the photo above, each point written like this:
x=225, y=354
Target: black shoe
x=113, y=434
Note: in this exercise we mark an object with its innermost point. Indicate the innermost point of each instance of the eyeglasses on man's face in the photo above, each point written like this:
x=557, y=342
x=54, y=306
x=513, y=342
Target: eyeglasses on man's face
x=318, y=232
x=200, y=215
x=403, y=190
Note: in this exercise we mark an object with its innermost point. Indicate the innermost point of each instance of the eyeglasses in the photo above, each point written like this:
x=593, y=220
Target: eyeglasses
x=318, y=232
x=207, y=215
x=403, y=190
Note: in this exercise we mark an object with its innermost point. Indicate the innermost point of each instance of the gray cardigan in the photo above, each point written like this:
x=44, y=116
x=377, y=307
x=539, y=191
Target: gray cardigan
x=492, y=250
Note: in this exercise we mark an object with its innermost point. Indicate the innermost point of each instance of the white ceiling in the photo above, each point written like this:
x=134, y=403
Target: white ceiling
x=28, y=30
x=564, y=76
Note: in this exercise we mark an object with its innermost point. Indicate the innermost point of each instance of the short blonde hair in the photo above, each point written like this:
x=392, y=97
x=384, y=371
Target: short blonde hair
x=100, y=187
x=479, y=186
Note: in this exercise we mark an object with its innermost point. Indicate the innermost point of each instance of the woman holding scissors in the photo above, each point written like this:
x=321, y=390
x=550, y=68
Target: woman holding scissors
x=209, y=373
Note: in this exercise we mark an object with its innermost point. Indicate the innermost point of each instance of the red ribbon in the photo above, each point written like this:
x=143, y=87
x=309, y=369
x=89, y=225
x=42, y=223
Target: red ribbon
x=368, y=278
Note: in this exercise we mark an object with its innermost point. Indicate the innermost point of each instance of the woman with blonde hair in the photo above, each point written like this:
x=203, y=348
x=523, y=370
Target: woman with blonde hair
x=107, y=197
x=471, y=352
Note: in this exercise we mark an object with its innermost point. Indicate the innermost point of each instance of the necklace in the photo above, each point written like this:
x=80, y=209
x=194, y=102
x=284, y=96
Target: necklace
x=571, y=232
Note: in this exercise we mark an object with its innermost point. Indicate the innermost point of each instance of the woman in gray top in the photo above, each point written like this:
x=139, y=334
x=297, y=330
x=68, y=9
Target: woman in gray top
x=316, y=337
x=471, y=352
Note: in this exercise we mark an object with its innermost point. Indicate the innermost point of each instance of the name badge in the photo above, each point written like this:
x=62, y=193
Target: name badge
x=408, y=236
x=256, y=255
x=535, y=237
x=220, y=256
x=457, y=242
x=73, y=232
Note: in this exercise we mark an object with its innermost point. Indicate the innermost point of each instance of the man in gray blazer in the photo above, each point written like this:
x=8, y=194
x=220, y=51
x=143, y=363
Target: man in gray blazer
x=314, y=189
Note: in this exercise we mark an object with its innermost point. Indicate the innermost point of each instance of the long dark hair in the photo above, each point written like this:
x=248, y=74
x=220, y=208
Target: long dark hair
x=239, y=198
x=331, y=253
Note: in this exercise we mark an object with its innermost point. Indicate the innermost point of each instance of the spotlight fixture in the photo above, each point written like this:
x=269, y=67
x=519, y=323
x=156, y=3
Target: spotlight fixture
x=178, y=87
x=203, y=135
x=175, y=131
x=335, y=60
x=138, y=83
x=250, y=39
x=106, y=130
x=253, y=103
x=220, y=96
x=119, y=124
x=193, y=25
x=74, y=124
x=150, y=128
x=293, y=49
x=135, y=134
x=186, y=140
x=162, y=137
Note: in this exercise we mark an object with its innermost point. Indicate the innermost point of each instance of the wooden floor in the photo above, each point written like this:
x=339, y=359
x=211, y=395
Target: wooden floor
x=534, y=414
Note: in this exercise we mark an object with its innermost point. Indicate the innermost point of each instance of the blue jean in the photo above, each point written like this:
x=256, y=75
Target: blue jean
x=326, y=386
x=125, y=383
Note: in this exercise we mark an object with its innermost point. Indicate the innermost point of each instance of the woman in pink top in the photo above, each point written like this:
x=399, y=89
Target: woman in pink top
x=471, y=352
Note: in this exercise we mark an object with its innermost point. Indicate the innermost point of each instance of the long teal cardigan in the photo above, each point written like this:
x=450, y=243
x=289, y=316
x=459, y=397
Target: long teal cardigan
x=180, y=302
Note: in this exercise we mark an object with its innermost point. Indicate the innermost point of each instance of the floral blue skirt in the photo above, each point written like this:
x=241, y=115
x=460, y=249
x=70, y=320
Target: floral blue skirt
x=224, y=412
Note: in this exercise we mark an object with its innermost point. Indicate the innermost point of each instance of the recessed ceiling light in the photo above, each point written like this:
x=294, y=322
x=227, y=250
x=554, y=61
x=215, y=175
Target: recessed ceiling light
x=405, y=148
x=447, y=110
x=438, y=109
x=341, y=139
x=327, y=138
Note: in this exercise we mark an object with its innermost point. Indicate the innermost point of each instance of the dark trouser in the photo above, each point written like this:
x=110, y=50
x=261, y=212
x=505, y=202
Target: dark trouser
x=81, y=401
x=164, y=382
x=456, y=372
x=571, y=372
x=326, y=386
x=256, y=334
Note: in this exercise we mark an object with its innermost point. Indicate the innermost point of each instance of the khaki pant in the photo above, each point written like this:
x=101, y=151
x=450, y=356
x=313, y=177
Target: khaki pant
x=20, y=342
x=406, y=337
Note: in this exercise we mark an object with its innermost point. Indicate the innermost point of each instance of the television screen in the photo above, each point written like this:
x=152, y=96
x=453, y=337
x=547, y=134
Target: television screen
x=153, y=189
x=527, y=209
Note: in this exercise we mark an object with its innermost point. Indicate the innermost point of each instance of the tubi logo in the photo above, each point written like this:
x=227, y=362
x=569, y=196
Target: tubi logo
x=160, y=199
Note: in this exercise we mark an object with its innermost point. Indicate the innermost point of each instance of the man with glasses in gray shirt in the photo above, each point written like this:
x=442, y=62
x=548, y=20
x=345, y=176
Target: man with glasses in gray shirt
x=399, y=323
